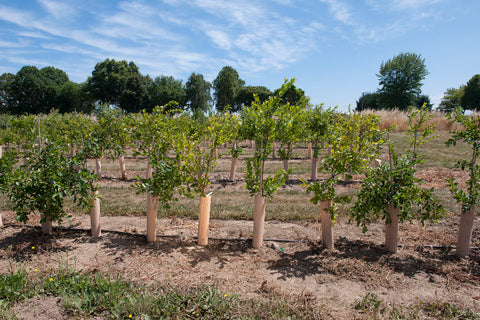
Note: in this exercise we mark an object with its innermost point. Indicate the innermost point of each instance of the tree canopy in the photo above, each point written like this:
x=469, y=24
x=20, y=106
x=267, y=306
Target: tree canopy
x=471, y=95
x=197, y=94
x=401, y=79
x=226, y=87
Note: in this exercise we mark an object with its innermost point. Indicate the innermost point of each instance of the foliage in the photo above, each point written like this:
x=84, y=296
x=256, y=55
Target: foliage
x=471, y=94
x=318, y=125
x=292, y=95
x=226, y=86
x=452, y=99
x=245, y=95
x=260, y=123
x=291, y=121
x=368, y=101
x=46, y=180
x=394, y=183
x=468, y=131
x=197, y=95
x=165, y=89
x=401, y=79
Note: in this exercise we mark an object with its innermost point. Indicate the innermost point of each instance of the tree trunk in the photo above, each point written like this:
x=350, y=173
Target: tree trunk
x=326, y=222
x=274, y=152
x=391, y=231
x=152, y=209
x=123, y=170
x=203, y=220
x=310, y=151
x=1, y=151
x=1, y=221
x=285, y=164
x=313, y=175
x=46, y=225
x=233, y=169
x=149, y=171
x=464, y=237
x=95, y=217
x=258, y=221
x=98, y=167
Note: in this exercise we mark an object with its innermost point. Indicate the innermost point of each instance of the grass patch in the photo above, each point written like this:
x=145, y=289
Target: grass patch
x=90, y=294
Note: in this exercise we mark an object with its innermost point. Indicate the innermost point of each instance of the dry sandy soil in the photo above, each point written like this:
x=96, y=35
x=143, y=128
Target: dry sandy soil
x=296, y=268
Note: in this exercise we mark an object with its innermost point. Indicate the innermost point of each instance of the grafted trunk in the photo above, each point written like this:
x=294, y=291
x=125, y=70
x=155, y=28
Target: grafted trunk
x=123, y=170
x=46, y=225
x=391, y=231
x=327, y=224
x=98, y=167
x=95, y=216
x=204, y=220
x=233, y=169
x=310, y=151
x=152, y=208
x=258, y=221
x=285, y=164
x=313, y=175
x=464, y=237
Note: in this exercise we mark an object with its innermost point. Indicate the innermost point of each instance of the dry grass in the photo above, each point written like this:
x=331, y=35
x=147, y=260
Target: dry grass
x=399, y=119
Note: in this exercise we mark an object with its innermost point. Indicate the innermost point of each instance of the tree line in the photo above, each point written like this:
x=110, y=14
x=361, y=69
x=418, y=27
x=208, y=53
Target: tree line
x=120, y=83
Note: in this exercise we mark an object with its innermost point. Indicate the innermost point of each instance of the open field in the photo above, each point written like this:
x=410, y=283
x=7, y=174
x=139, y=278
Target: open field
x=292, y=276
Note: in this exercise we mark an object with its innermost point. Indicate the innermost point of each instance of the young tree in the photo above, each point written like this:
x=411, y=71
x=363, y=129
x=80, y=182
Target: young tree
x=468, y=131
x=226, y=86
x=393, y=193
x=401, y=79
x=260, y=123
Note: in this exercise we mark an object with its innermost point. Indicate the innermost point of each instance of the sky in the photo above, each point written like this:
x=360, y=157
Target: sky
x=333, y=48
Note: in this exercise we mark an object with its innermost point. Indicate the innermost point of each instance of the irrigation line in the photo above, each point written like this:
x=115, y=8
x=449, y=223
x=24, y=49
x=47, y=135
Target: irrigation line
x=130, y=234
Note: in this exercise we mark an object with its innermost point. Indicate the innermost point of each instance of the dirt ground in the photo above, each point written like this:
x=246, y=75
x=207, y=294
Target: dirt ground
x=331, y=279
x=291, y=264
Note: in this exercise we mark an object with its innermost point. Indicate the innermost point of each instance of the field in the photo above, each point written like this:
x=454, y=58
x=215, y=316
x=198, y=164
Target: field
x=290, y=277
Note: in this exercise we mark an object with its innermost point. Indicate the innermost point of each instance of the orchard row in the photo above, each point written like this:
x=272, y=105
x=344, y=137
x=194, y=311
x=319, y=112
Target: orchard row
x=182, y=152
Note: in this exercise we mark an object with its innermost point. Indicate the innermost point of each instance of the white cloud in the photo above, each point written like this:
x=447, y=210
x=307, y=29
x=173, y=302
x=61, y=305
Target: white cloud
x=59, y=9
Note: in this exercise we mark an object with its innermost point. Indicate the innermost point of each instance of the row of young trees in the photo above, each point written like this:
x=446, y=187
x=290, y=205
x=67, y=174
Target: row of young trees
x=120, y=83
x=182, y=152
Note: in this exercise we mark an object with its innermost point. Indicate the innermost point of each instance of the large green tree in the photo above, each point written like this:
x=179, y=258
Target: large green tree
x=197, y=94
x=165, y=89
x=245, y=95
x=401, y=79
x=452, y=99
x=471, y=95
x=5, y=95
x=368, y=100
x=293, y=95
x=226, y=86
x=119, y=83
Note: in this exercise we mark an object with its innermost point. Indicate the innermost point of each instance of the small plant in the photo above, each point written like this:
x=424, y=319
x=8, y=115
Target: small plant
x=46, y=180
x=393, y=193
x=468, y=131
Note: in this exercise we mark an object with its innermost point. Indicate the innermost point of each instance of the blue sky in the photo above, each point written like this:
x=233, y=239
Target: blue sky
x=333, y=48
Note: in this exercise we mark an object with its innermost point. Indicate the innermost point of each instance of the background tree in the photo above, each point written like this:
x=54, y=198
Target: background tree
x=119, y=83
x=245, y=95
x=452, y=99
x=72, y=98
x=165, y=89
x=197, y=94
x=423, y=99
x=401, y=79
x=5, y=95
x=471, y=95
x=368, y=100
x=226, y=86
x=294, y=96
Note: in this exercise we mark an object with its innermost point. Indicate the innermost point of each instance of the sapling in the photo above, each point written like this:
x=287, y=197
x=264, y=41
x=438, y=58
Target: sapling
x=260, y=123
x=44, y=183
x=467, y=130
x=351, y=143
x=391, y=191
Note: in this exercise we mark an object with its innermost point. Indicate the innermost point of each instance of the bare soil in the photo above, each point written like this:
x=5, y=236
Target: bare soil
x=291, y=265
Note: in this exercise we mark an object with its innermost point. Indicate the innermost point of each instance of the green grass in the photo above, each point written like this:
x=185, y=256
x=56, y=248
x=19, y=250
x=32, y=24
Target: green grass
x=90, y=294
